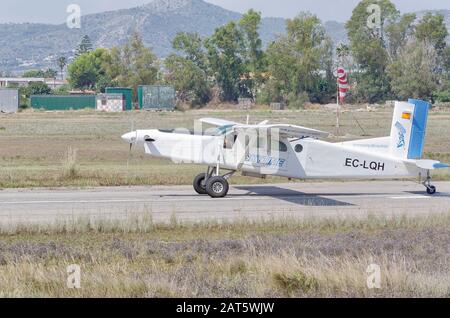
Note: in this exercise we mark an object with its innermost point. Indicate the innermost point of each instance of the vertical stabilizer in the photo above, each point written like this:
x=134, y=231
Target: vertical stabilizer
x=408, y=129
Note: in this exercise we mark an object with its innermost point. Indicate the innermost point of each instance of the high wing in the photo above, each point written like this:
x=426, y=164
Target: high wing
x=285, y=130
x=218, y=122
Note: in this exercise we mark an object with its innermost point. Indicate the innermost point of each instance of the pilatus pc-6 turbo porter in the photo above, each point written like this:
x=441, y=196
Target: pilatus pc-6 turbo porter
x=295, y=152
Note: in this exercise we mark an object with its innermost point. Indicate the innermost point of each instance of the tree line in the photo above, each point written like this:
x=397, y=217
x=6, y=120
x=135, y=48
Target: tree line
x=402, y=57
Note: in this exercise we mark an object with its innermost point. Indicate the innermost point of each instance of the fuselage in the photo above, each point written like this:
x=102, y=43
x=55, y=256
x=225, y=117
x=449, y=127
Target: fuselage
x=291, y=158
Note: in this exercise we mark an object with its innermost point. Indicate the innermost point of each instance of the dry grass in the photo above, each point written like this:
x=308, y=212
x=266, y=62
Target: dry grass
x=276, y=258
x=69, y=165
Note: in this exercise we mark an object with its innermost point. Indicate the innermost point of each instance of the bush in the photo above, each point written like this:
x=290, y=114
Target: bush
x=442, y=97
x=295, y=101
x=323, y=92
x=38, y=88
x=269, y=93
x=24, y=100
x=62, y=90
x=292, y=283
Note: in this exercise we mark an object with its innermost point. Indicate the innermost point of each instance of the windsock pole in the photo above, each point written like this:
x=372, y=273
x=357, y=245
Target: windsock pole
x=337, y=106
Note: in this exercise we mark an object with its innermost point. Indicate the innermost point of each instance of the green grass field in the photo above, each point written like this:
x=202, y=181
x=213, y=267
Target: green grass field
x=34, y=145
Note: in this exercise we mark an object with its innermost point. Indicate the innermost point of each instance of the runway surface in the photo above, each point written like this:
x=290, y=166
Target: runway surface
x=327, y=199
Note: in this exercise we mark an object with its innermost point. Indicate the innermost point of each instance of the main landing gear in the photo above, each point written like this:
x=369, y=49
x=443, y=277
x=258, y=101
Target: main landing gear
x=431, y=189
x=211, y=183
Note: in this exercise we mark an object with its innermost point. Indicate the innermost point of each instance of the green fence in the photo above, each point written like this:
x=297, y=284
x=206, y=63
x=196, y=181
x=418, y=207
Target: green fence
x=127, y=93
x=156, y=97
x=60, y=102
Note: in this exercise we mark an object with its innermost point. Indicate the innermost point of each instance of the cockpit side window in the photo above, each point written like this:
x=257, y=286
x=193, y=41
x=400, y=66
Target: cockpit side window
x=271, y=146
x=229, y=141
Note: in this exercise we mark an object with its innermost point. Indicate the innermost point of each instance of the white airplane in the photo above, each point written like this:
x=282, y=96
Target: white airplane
x=295, y=152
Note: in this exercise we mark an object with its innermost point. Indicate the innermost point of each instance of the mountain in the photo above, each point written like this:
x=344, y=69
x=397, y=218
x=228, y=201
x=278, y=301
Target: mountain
x=29, y=45
x=24, y=46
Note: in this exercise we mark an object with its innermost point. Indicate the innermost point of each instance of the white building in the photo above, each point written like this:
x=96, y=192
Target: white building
x=24, y=81
x=9, y=100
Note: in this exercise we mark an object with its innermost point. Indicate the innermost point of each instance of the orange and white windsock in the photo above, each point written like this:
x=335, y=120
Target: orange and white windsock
x=342, y=83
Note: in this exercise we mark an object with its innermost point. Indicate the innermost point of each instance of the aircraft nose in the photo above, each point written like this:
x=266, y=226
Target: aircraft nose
x=130, y=137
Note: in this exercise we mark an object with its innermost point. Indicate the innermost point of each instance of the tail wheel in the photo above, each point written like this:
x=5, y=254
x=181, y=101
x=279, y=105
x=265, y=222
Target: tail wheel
x=217, y=187
x=200, y=184
x=431, y=190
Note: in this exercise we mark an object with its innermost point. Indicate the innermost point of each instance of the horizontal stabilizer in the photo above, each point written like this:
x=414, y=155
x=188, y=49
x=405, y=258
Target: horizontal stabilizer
x=431, y=164
x=441, y=166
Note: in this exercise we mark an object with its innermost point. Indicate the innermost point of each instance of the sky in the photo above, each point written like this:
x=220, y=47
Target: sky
x=54, y=11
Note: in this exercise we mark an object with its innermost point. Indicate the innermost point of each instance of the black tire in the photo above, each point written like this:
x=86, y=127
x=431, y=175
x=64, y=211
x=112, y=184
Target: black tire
x=431, y=190
x=217, y=187
x=200, y=184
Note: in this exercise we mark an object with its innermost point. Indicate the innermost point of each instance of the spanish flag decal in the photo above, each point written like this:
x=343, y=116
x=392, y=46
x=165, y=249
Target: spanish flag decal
x=406, y=115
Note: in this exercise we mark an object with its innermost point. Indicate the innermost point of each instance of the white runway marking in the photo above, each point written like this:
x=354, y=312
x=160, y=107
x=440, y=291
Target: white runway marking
x=198, y=199
x=417, y=197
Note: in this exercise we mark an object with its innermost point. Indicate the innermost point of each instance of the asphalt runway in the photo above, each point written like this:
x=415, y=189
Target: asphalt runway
x=317, y=199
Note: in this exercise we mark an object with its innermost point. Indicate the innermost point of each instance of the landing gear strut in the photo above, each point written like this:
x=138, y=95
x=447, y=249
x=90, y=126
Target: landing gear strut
x=431, y=189
x=212, y=183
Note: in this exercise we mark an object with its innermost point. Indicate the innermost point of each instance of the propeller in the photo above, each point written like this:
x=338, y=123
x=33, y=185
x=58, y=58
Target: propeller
x=132, y=142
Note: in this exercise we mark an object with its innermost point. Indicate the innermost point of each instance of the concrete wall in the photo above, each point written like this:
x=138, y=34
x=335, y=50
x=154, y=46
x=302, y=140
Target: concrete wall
x=9, y=100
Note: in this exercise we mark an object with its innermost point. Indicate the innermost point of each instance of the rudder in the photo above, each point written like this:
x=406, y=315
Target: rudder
x=419, y=128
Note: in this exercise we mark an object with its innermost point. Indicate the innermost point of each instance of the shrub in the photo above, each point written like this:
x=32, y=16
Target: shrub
x=442, y=96
x=70, y=167
x=297, y=101
x=291, y=283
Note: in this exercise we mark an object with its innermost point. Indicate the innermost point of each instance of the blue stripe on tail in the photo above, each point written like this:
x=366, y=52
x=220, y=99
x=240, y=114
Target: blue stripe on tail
x=419, y=127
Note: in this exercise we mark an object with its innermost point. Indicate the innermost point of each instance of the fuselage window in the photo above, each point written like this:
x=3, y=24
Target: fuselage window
x=282, y=147
x=271, y=145
x=298, y=148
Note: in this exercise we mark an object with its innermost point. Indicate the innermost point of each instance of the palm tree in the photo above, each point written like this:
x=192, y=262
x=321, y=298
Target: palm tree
x=85, y=46
x=342, y=51
x=62, y=62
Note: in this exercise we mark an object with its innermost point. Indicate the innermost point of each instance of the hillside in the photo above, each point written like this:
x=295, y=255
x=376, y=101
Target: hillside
x=26, y=46
x=23, y=45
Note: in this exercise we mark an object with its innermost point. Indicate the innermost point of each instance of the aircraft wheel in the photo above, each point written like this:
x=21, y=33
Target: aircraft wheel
x=217, y=187
x=200, y=184
x=431, y=190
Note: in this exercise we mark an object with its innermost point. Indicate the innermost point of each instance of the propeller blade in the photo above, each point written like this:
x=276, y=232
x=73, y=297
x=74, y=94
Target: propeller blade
x=132, y=142
x=129, y=156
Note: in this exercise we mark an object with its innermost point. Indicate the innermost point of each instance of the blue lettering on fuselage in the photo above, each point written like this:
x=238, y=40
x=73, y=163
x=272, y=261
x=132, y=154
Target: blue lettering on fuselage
x=265, y=161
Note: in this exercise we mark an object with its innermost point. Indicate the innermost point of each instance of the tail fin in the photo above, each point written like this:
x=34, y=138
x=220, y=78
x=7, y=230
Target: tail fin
x=408, y=129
